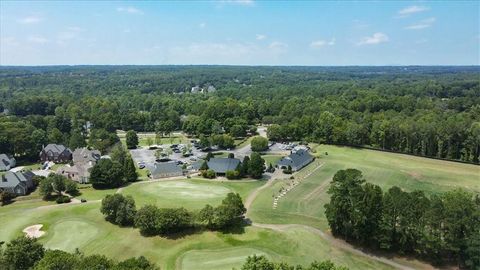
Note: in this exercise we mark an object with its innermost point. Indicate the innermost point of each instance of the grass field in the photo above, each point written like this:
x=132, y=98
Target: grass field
x=304, y=204
x=191, y=194
x=82, y=226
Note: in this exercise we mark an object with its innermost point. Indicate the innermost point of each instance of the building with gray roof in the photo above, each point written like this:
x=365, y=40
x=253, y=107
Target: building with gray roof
x=164, y=169
x=18, y=183
x=56, y=153
x=6, y=162
x=221, y=165
x=85, y=155
x=296, y=160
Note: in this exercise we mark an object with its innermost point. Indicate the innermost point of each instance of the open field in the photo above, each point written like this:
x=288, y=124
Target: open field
x=82, y=226
x=304, y=204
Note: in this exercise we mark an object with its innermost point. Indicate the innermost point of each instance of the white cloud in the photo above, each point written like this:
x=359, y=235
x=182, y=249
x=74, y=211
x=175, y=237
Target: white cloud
x=130, y=10
x=321, y=43
x=411, y=10
x=260, y=37
x=374, y=39
x=37, y=39
x=202, y=25
x=30, y=20
x=278, y=47
x=421, y=24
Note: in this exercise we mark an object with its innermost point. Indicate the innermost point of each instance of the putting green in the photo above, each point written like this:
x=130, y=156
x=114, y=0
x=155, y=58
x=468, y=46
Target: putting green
x=217, y=259
x=191, y=195
x=186, y=191
x=70, y=234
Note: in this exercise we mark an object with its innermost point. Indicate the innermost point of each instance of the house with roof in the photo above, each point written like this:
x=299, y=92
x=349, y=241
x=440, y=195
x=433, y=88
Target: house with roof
x=18, y=183
x=296, y=160
x=195, y=166
x=6, y=162
x=85, y=155
x=221, y=165
x=164, y=170
x=79, y=172
x=83, y=161
x=56, y=153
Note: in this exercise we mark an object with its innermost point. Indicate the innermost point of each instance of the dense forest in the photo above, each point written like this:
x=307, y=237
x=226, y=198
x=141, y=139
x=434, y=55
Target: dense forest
x=428, y=111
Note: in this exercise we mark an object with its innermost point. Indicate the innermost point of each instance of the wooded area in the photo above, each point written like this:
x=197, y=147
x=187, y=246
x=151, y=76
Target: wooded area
x=428, y=111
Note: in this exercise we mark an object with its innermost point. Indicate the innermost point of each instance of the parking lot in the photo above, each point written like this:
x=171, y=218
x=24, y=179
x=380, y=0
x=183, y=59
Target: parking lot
x=147, y=156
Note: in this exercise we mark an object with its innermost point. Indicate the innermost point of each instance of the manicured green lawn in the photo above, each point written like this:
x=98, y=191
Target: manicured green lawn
x=191, y=194
x=304, y=204
x=89, y=193
x=82, y=225
x=271, y=159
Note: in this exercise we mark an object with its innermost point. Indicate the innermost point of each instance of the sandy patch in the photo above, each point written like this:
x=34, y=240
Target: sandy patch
x=34, y=231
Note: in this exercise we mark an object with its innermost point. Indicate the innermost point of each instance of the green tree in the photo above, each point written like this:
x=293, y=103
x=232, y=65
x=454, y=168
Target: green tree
x=206, y=216
x=146, y=220
x=46, y=188
x=140, y=263
x=119, y=209
x=244, y=167
x=22, y=253
x=256, y=166
x=130, y=172
x=345, y=192
x=76, y=140
x=106, y=174
x=258, y=263
x=259, y=144
x=57, y=260
x=95, y=262
x=131, y=139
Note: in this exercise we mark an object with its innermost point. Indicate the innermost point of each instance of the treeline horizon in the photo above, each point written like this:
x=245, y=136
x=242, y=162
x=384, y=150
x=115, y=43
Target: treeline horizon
x=426, y=111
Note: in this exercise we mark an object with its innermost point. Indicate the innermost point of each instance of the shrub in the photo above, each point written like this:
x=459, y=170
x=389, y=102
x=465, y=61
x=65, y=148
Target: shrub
x=6, y=197
x=63, y=199
x=232, y=175
x=210, y=174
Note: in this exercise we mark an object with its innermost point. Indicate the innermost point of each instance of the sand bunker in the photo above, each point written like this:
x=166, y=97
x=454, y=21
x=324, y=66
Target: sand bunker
x=34, y=231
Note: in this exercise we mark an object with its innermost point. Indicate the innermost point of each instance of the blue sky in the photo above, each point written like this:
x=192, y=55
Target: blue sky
x=242, y=32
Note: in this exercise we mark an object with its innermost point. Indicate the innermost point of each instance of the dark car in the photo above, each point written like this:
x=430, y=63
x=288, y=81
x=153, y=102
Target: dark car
x=83, y=200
